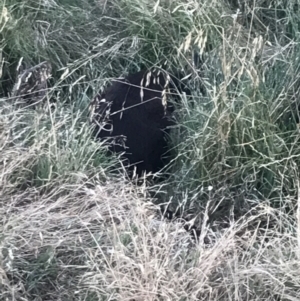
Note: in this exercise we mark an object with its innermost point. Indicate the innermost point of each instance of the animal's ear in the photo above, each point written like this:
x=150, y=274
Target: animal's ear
x=179, y=83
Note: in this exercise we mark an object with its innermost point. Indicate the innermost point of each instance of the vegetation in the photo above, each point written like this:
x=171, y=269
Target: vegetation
x=73, y=227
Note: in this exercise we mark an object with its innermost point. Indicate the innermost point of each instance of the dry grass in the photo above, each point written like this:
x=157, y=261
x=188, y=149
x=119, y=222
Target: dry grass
x=72, y=227
x=106, y=242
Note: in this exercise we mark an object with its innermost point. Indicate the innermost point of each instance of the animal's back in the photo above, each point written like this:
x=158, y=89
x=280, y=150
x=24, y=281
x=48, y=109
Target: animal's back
x=136, y=116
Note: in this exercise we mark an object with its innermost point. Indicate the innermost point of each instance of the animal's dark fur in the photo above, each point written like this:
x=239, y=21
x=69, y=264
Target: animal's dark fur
x=134, y=115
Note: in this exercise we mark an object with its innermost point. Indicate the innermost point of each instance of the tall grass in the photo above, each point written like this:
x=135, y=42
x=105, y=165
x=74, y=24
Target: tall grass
x=74, y=228
x=241, y=137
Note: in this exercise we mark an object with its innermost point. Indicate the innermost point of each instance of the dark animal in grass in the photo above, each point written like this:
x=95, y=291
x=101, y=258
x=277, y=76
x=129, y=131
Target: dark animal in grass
x=134, y=114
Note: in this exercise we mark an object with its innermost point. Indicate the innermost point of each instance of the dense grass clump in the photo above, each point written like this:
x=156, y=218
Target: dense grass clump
x=73, y=227
x=244, y=139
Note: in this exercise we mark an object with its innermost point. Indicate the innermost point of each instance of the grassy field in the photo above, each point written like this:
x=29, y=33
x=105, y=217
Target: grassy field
x=74, y=227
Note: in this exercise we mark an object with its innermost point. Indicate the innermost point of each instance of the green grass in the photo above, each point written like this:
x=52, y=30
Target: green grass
x=73, y=227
